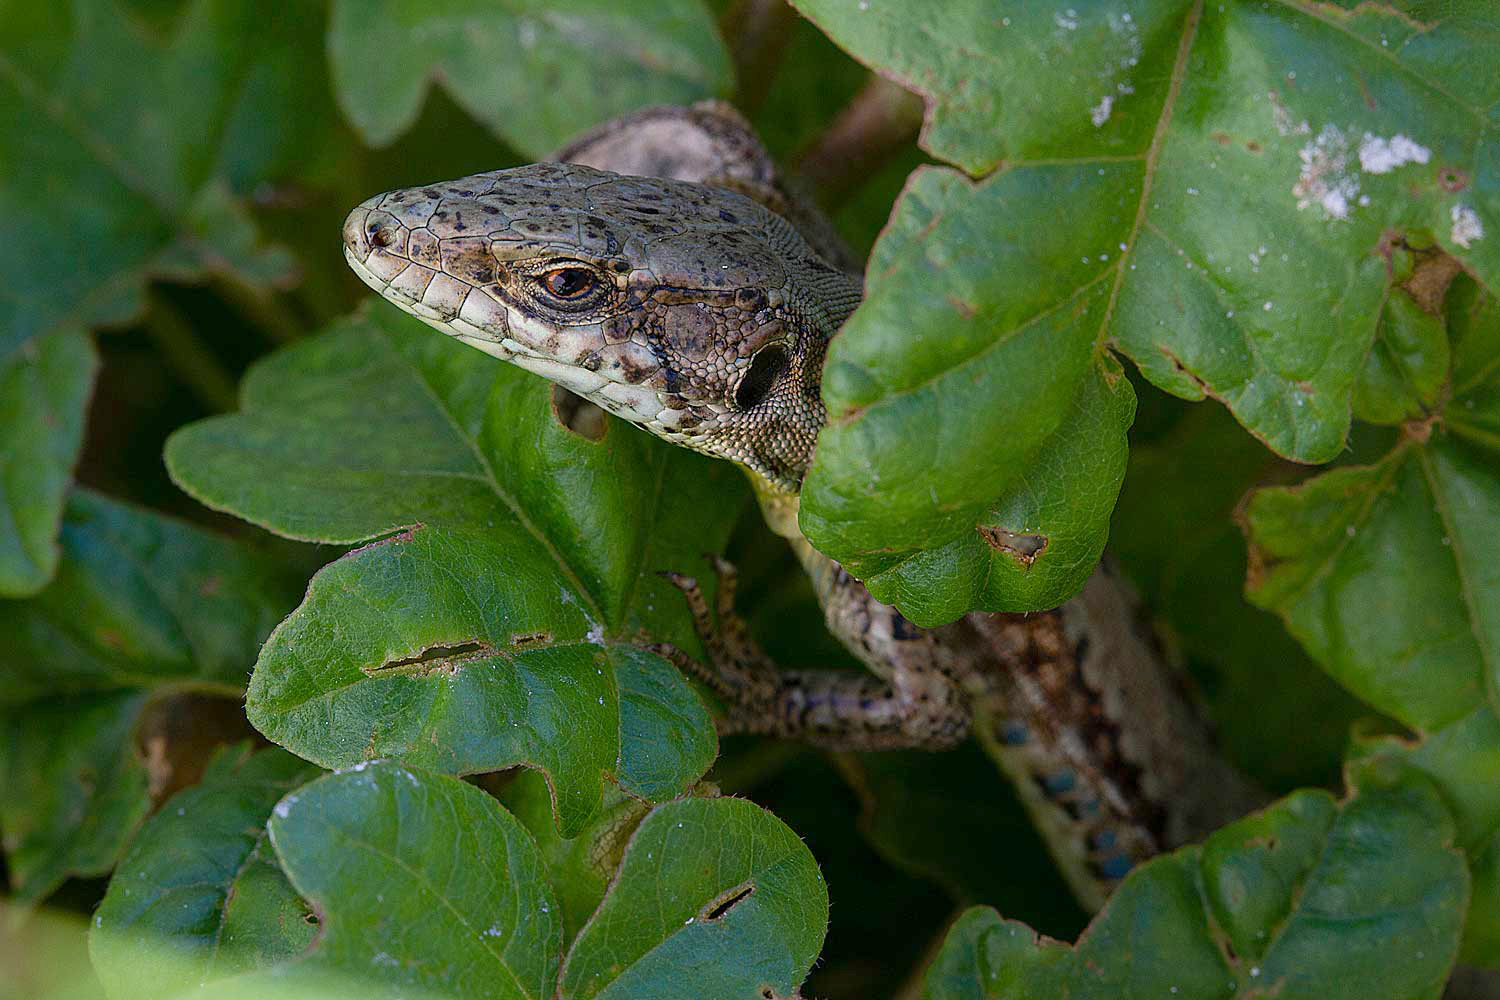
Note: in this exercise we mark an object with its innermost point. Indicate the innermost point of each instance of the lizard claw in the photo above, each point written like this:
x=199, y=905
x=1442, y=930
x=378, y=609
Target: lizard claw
x=737, y=671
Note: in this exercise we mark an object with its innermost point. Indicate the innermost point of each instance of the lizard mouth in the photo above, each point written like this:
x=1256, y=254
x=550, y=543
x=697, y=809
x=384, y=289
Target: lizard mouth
x=388, y=244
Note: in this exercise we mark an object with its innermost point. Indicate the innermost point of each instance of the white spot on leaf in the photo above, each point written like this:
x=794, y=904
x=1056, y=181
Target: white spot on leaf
x=1381, y=156
x=1467, y=228
x=1282, y=118
x=1329, y=177
x=1325, y=179
x=1099, y=113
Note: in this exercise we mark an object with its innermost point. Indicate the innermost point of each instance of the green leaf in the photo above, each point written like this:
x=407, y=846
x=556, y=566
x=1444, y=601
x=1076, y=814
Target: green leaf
x=1305, y=899
x=715, y=897
x=453, y=651
x=667, y=738
x=1473, y=314
x=1228, y=177
x=493, y=622
x=47, y=958
x=44, y=390
x=140, y=600
x=1482, y=929
x=1023, y=86
x=421, y=883
x=198, y=896
x=901, y=792
x=1389, y=575
x=424, y=886
x=971, y=403
x=1407, y=365
x=72, y=789
x=141, y=604
x=1460, y=757
x=579, y=868
x=534, y=72
x=119, y=151
x=1275, y=714
x=122, y=158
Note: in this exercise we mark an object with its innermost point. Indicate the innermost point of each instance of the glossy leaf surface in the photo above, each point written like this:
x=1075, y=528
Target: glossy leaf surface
x=420, y=882
x=124, y=153
x=715, y=897
x=141, y=601
x=44, y=389
x=422, y=885
x=142, y=604
x=1211, y=190
x=199, y=895
x=1387, y=573
x=535, y=73
x=494, y=620
x=1304, y=899
x=72, y=789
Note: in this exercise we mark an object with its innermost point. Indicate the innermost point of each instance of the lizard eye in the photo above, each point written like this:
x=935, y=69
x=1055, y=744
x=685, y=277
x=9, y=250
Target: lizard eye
x=569, y=283
x=765, y=368
x=571, y=289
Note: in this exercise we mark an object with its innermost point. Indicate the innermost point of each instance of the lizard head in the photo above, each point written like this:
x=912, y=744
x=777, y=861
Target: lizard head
x=690, y=310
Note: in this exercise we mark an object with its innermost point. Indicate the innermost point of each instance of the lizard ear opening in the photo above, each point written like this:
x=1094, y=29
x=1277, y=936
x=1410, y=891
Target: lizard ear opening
x=765, y=368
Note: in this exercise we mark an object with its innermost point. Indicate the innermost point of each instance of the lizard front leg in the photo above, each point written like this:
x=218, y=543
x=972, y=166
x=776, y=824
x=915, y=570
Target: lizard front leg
x=917, y=706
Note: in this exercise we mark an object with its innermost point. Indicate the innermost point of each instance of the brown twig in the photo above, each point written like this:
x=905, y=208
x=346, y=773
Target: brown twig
x=757, y=32
x=190, y=359
x=875, y=125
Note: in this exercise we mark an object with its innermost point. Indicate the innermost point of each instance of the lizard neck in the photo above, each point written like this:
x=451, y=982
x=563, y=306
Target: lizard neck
x=779, y=508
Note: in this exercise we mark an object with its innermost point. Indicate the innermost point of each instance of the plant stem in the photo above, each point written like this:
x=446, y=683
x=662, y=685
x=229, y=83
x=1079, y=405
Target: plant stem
x=265, y=309
x=875, y=125
x=757, y=32
x=189, y=357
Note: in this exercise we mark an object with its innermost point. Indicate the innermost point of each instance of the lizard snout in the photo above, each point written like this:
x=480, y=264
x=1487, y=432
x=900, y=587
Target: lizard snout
x=367, y=228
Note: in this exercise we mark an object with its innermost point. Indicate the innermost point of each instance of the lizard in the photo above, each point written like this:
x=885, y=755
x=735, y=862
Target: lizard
x=661, y=268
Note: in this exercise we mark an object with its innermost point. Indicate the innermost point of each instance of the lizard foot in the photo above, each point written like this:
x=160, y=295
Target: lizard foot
x=835, y=709
x=738, y=671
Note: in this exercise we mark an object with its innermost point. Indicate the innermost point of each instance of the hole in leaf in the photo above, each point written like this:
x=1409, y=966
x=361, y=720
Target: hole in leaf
x=1024, y=549
x=530, y=638
x=1452, y=180
x=1188, y=373
x=577, y=414
x=726, y=902
x=1428, y=284
x=398, y=537
x=442, y=658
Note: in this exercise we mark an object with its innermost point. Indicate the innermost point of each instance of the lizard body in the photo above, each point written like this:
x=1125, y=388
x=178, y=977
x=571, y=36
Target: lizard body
x=698, y=303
